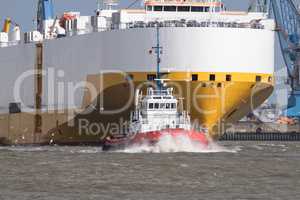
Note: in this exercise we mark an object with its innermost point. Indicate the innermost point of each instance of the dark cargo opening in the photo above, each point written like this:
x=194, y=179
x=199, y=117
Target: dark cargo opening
x=258, y=78
x=228, y=77
x=194, y=77
x=151, y=77
x=14, y=108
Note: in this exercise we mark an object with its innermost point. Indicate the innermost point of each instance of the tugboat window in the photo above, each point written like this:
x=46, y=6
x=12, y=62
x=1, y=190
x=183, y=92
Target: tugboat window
x=162, y=105
x=158, y=8
x=156, y=105
x=183, y=8
x=170, y=8
x=173, y=105
x=150, y=105
x=149, y=8
x=167, y=106
x=197, y=9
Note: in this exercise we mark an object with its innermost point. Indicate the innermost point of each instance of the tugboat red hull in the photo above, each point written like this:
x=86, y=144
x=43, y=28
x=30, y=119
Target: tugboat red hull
x=154, y=136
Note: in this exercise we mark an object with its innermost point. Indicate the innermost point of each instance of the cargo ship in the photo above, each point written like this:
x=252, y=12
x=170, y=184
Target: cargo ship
x=72, y=80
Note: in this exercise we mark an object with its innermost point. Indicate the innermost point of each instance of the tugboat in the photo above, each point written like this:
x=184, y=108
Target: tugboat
x=157, y=114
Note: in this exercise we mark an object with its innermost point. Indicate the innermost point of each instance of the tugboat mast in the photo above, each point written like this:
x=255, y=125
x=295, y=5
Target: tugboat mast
x=158, y=52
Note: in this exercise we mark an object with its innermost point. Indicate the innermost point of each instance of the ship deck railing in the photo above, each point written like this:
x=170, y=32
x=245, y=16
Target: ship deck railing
x=9, y=43
x=161, y=93
x=181, y=119
x=153, y=24
x=190, y=23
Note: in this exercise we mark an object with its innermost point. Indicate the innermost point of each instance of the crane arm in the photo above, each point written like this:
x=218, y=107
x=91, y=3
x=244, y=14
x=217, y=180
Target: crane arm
x=45, y=12
x=288, y=24
x=287, y=18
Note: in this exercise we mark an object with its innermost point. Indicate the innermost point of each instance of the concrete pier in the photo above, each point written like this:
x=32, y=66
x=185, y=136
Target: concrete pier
x=292, y=136
x=255, y=131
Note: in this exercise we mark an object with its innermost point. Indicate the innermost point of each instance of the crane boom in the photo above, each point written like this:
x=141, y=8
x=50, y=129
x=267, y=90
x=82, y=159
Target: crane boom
x=288, y=25
x=45, y=12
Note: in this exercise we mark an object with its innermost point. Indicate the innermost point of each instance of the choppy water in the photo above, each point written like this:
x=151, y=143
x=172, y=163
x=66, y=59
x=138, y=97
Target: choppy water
x=247, y=170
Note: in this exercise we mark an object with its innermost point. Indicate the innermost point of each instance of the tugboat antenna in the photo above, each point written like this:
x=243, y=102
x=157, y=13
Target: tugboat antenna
x=98, y=5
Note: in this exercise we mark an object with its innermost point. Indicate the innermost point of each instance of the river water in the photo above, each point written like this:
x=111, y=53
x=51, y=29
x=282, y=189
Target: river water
x=229, y=170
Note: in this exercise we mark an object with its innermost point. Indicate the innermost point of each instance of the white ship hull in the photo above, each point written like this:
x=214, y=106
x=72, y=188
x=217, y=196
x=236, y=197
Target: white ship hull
x=209, y=50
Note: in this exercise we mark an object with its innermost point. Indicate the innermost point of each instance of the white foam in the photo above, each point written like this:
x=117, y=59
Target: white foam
x=169, y=144
x=80, y=150
x=23, y=149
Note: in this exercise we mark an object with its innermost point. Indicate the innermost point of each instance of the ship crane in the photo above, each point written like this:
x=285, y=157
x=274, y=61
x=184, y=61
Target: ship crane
x=288, y=26
x=45, y=13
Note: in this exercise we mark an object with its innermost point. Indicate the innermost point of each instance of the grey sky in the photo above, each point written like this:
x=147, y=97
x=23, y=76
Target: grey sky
x=24, y=11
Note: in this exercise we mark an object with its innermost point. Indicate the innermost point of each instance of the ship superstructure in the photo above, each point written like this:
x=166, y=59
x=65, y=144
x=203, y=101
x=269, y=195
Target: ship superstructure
x=220, y=61
x=168, y=13
x=159, y=110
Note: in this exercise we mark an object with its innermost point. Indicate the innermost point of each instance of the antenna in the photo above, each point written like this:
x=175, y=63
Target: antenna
x=109, y=4
x=99, y=4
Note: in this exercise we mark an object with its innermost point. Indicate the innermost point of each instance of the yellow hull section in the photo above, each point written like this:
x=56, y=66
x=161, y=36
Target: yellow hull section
x=210, y=98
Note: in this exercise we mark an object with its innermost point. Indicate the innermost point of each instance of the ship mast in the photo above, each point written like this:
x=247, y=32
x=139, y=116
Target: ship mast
x=158, y=52
x=98, y=5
